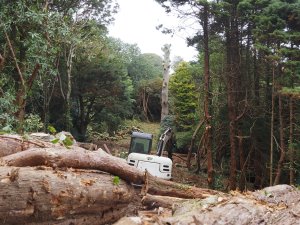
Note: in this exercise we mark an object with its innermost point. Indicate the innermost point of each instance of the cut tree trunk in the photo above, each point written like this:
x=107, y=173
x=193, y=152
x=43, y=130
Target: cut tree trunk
x=10, y=144
x=76, y=158
x=155, y=201
x=157, y=186
x=42, y=195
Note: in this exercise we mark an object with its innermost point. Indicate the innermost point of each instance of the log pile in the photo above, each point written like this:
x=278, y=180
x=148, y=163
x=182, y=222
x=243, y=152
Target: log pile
x=37, y=195
x=45, y=183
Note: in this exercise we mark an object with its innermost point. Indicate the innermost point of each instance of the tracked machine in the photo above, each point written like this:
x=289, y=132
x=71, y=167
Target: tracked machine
x=139, y=154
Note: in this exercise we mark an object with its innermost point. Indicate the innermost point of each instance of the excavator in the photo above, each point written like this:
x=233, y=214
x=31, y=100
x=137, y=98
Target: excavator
x=139, y=154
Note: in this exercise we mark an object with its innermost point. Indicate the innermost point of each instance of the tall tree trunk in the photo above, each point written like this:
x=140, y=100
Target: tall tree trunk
x=242, y=183
x=207, y=100
x=256, y=78
x=24, y=85
x=282, y=147
x=68, y=119
x=291, y=144
x=145, y=99
x=272, y=128
x=165, y=86
x=232, y=49
x=257, y=150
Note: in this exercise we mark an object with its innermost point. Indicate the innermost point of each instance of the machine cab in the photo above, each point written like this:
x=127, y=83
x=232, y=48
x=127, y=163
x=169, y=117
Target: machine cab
x=140, y=143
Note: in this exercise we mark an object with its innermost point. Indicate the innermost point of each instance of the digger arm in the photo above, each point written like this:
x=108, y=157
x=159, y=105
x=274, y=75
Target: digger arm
x=163, y=139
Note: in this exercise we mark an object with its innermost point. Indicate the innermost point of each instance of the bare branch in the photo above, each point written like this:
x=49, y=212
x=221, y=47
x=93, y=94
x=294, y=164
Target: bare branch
x=15, y=59
x=33, y=76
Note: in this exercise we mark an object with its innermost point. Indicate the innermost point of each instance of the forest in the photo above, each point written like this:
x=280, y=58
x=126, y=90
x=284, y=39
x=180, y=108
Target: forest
x=237, y=107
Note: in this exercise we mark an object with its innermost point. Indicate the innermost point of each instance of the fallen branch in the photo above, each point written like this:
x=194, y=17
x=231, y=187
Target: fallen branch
x=107, y=149
x=157, y=186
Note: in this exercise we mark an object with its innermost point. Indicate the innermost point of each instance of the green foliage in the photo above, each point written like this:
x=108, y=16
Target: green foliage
x=291, y=91
x=183, y=140
x=218, y=182
x=67, y=142
x=7, y=108
x=116, y=180
x=183, y=97
x=52, y=129
x=148, y=94
x=102, y=89
x=32, y=123
x=64, y=139
x=145, y=67
x=168, y=121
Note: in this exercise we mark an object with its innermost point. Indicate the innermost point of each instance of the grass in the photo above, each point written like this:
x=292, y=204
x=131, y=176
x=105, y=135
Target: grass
x=146, y=127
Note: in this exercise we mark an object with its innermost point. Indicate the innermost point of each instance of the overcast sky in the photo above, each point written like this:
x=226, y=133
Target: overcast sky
x=136, y=23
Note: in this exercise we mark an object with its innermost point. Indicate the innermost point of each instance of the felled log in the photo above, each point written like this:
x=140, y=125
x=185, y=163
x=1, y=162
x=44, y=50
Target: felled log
x=10, y=144
x=99, y=160
x=42, y=195
x=156, y=201
x=75, y=158
x=156, y=186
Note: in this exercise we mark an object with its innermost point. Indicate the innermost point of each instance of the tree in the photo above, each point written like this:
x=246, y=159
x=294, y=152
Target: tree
x=148, y=99
x=35, y=34
x=146, y=66
x=184, y=100
x=146, y=71
x=27, y=42
x=102, y=88
x=165, y=86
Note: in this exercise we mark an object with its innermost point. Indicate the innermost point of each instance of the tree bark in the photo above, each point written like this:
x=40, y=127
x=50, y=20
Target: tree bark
x=291, y=143
x=282, y=147
x=242, y=183
x=272, y=127
x=233, y=74
x=207, y=100
x=45, y=196
x=68, y=119
x=75, y=158
x=165, y=86
x=10, y=144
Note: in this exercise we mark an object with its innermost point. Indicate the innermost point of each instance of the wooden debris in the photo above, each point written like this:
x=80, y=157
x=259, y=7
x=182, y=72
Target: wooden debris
x=157, y=186
x=10, y=144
